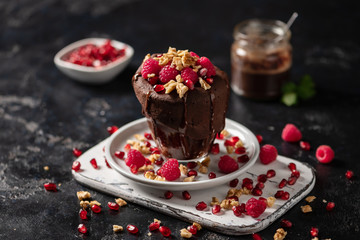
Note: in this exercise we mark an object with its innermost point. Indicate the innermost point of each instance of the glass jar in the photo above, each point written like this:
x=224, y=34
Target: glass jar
x=261, y=57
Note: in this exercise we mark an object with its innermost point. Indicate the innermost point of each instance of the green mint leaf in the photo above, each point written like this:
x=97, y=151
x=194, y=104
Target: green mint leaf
x=289, y=87
x=306, y=88
x=289, y=99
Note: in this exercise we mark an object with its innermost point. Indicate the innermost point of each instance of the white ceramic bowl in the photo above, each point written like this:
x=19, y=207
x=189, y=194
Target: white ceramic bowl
x=90, y=74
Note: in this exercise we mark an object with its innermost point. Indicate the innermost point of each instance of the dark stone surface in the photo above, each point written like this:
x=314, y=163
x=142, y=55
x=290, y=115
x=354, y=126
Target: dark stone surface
x=44, y=114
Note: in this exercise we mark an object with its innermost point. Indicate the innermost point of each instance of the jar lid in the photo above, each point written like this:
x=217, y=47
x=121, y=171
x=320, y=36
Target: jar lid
x=261, y=29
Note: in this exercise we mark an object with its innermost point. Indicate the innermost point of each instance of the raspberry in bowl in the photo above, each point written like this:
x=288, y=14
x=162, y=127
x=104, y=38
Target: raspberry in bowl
x=93, y=60
x=184, y=98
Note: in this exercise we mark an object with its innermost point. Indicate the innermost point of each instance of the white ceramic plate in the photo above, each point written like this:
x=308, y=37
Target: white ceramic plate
x=90, y=74
x=118, y=140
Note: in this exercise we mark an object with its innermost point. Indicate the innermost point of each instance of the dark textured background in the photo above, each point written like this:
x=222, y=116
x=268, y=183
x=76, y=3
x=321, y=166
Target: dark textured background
x=44, y=114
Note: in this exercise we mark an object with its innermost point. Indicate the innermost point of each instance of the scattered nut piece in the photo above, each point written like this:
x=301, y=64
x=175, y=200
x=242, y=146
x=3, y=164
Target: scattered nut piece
x=84, y=204
x=228, y=203
x=149, y=234
x=159, y=178
x=157, y=220
x=170, y=86
x=214, y=201
x=198, y=226
x=204, y=84
x=121, y=202
x=230, y=149
x=183, y=169
x=225, y=133
x=151, y=75
x=94, y=202
x=150, y=175
x=239, y=144
x=206, y=162
x=46, y=168
x=246, y=191
x=231, y=192
x=306, y=209
x=310, y=199
x=179, y=78
x=138, y=136
x=185, y=233
x=280, y=234
x=117, y=228
x=146, y=168
x=324, y=201
x=147, y=57
x=154, y=157
x=83, y=195
x=270, y=201
x=189, y=179
x=203, y=169
x=181, y=89
x=315, y=238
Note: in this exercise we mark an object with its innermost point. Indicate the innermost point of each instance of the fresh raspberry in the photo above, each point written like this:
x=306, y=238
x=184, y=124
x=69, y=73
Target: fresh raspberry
x=205, y=63
x=168, y=73
x=268, y=154
x=324, y=154
x=291, y=133
x=254, y=207
x=189, y=74
x=135, y=158
x=227, y=164
x=170, y=170
x=194, y=54
x=150, y=66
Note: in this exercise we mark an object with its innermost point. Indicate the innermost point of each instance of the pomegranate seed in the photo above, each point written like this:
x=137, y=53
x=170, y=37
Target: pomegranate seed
x=189, y=84
x=237, y=210
x=203, y=72
x=155, y=150
x=112, y=129
x=240, y=150
x=279, y=194
x=295, y=174
x=234, y=139
x=304, y=145
x=282, y=183
x=165, y=231
x=243, y=159
x=159, y=162
x=134, y=169
x=215, y=148
x=286, y=223
x=148, y=136
x=193, y=229
x=119, y=155
x=168, y=194
x=292, y=167
x=291, y=180
x=186, y=195
x=256, y=192
x=209, y=80
x=95, y=208
x=159, y=88
x=256, y=236
x=260, y=185
x=285, y=196
x=249, y=186
x=153, y=80
x=192, y=173
x=154, y=226
x=76, y=152
x=132, y=229
x=330, y=206
x=242, y=208
x=83, y=214
x=263, y=199
x=147, y=143
x=147, y=162
x=107, y=164
x=314, y=232
x=259, y=138
x=262, y=178
x=159, y=172
x=247, y=180
x=201, y=206
x=235, y=198
x=220, y=136
x=50, y=187
x=216, y=209
x=229, y=143
x=94, y=163
x=233, y=183
x=270, y=173
x=76, y=166
x=127, y=147
x=191, y=165
x=212, y=175
x=82, y=228
x=349, y=174
x=113, y=206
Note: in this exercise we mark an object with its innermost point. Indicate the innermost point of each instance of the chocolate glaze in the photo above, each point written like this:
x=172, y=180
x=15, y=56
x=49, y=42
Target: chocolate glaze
x=184, y=128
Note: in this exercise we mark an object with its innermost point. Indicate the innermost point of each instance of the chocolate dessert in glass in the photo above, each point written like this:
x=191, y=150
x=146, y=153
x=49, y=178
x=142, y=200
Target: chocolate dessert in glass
x=184, y=98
